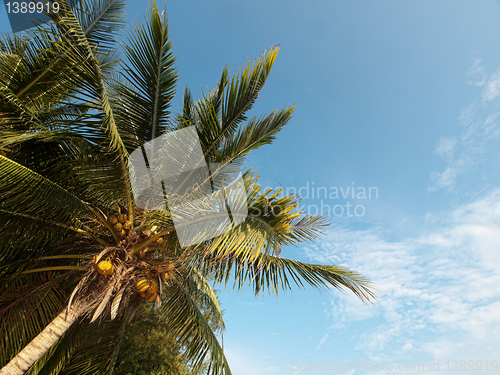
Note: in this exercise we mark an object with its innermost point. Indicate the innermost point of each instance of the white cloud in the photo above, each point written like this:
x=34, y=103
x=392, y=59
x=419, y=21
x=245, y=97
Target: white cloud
x=476, y=73
x=439, y=292
x=445, y=178
x=492, y=88
x=480, y=135
x=323, y=340
x=446, y=147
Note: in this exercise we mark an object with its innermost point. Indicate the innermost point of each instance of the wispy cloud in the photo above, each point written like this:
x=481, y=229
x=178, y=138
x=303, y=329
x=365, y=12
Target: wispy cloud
x=480, y=131
x=437, y=289
x=492, y=88
x=477, y=74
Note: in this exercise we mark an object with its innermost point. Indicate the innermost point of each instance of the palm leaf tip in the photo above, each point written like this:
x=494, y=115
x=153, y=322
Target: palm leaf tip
x=361, y=286
x=323, y=277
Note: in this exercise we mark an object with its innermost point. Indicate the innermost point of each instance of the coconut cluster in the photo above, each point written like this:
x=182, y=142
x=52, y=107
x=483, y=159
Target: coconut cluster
x=146, y=284
x=150, y=274
x=147, y=280
x=147, y=288
x=120, y=224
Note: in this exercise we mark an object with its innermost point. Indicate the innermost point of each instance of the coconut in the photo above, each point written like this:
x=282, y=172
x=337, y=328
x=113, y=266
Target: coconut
x=127, y=225
x=147, y=288
x=112, y=219
x=154, y=287
x=122, y=218
x=118, y=227
x=150, y=296
x=122, y=233
x=143, y=285
x=160, y=241
x=105, y=267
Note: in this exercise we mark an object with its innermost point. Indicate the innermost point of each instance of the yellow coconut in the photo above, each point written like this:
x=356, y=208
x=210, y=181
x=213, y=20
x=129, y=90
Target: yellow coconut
x=150, y=296
x=160, y=241
x=154, y=287
x=122, y=218
x=147, y=288
x=143, y=285
x=122, y=233
x=105, y=267
x=127, y=225
x=118, y=227
x=112, y=219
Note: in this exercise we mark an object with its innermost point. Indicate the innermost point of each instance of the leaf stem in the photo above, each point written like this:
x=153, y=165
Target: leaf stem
x=127, y=191
x=57, y=268
x=105, y=222
x=144, y=244
x=64, y=257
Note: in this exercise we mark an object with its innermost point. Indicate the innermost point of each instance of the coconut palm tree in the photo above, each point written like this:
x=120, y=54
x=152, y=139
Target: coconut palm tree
x=79, y=252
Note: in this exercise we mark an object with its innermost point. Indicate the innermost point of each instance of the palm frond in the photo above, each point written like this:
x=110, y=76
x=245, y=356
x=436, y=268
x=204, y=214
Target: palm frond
x=39, y=74
x=143, y=97
x=219, y=113
x=189, y=324
x=78, y=49
x=24, y=233
x=268, y=223
x=25, y=192
x=96, y=352
x=27, y=304
x=100, y=20
x=199, y=285
x=271, y=223
x=256, y=133
x=274, y=273
x=70, y=158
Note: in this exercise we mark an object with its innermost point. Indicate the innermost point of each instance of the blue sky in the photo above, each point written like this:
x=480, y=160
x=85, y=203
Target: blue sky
x=402, y=96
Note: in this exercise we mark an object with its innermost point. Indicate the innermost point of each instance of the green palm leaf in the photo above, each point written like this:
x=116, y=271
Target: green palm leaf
x=27, y=304
x=100, y=20
x=274, y=273
x=220, y=113
x=256, y=133
x=191, y=326
x=83, y=54
x=25, y=192
x=143, y=98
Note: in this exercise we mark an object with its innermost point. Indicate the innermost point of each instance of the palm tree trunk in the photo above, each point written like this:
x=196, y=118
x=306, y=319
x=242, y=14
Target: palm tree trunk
x=40, y=344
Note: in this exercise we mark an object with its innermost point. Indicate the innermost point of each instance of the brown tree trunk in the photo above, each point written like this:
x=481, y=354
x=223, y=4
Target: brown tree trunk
x=40, y=344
